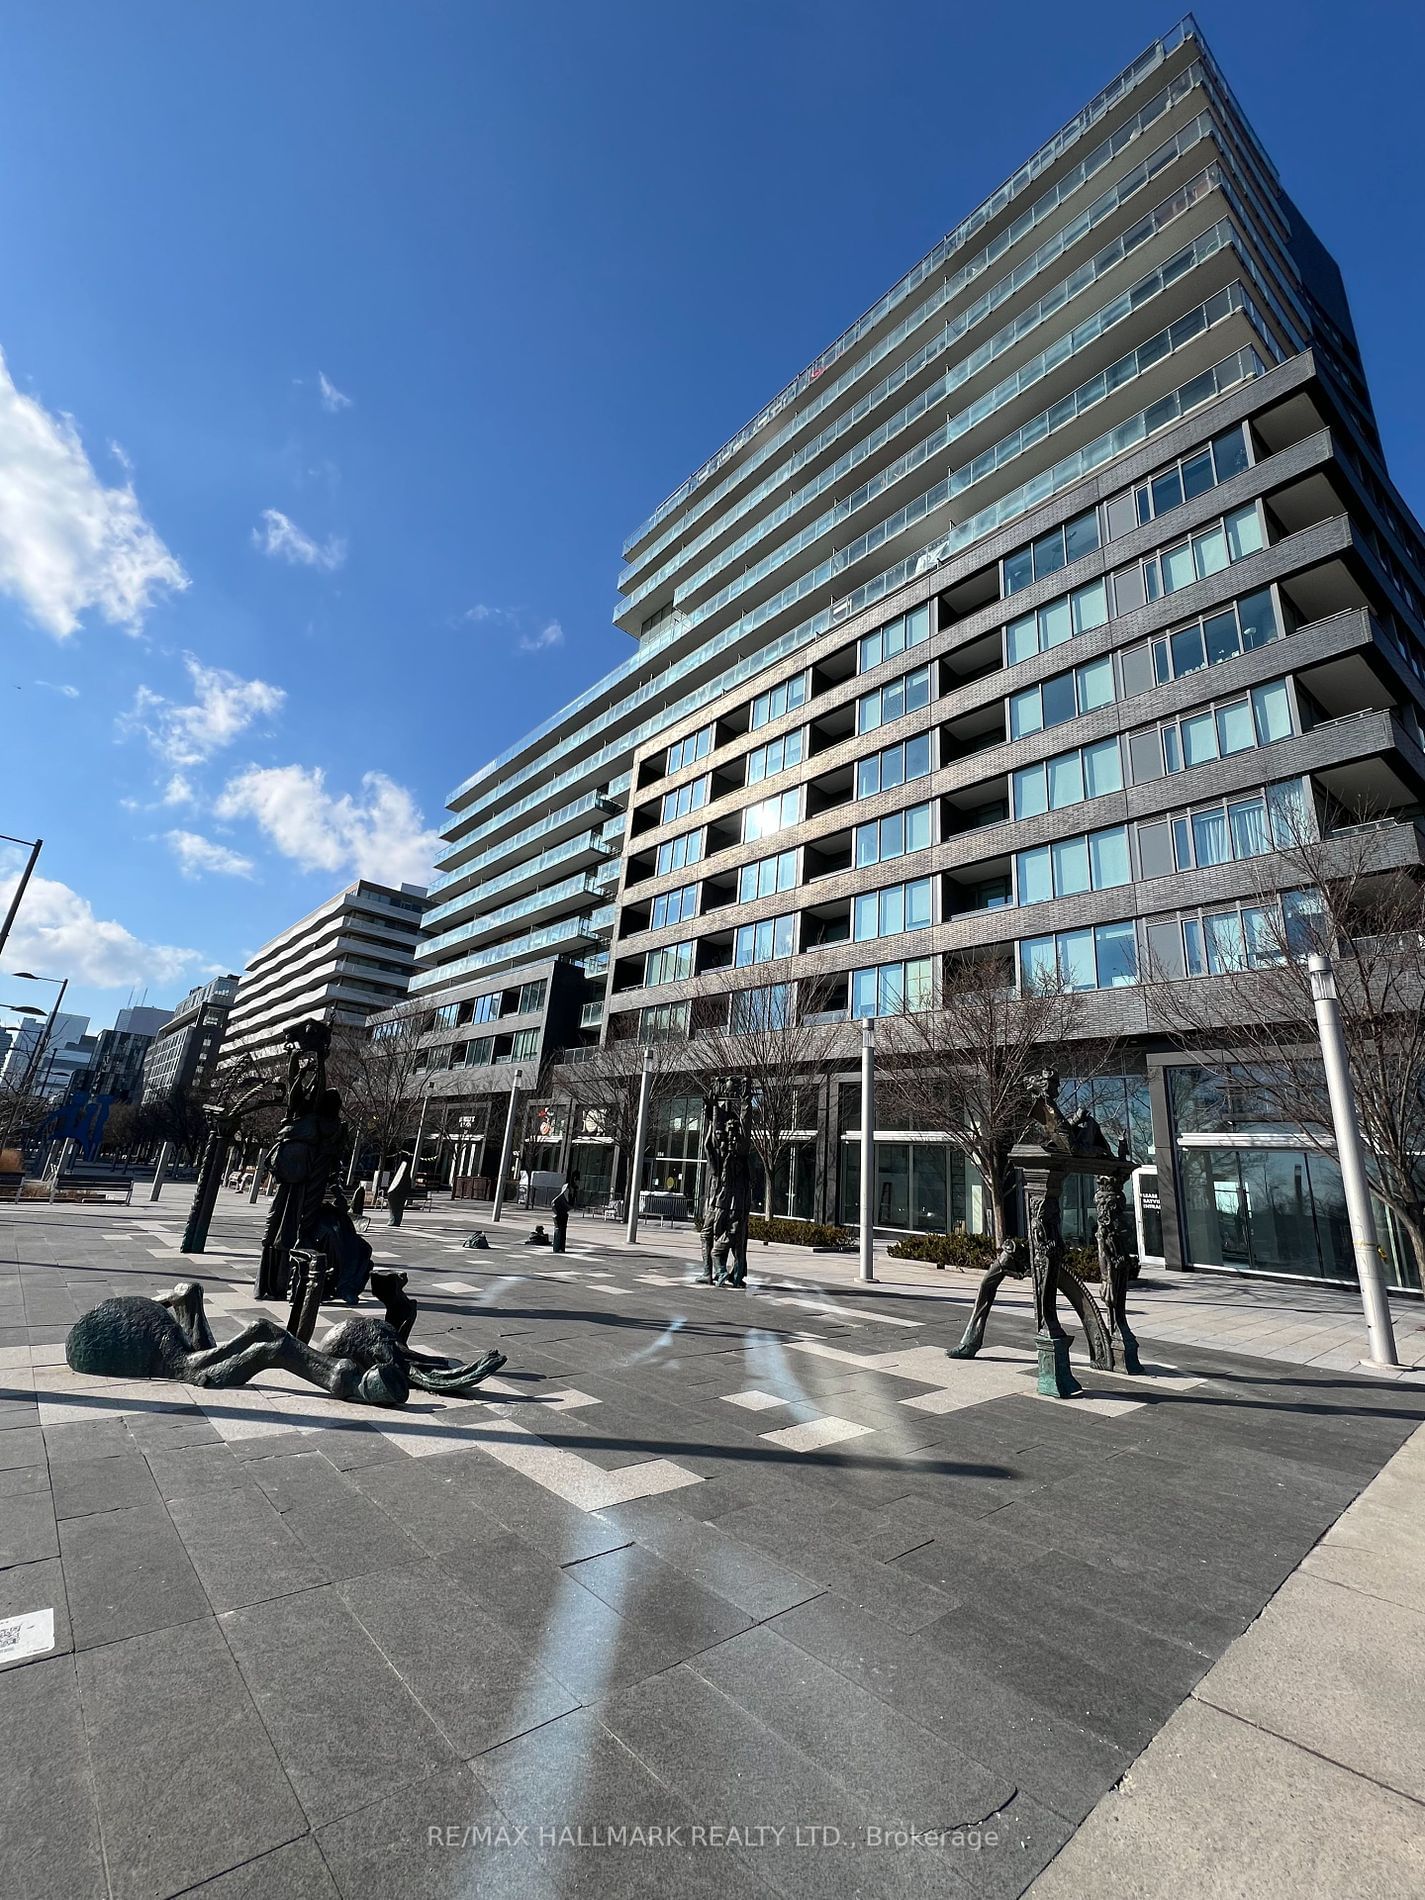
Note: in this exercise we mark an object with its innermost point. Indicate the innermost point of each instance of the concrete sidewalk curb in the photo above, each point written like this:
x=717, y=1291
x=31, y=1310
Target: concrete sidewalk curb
x=1295, y=1766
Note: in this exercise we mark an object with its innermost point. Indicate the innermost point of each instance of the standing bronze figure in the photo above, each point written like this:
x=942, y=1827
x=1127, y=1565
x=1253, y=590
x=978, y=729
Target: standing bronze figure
x=728, y=1204
x=304, y=1157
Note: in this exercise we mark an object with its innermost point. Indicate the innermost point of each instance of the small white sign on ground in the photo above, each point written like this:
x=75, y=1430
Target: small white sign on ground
x=28, y=1635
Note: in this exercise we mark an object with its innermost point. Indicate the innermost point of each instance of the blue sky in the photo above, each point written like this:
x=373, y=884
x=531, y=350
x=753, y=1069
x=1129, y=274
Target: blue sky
x=345, y=341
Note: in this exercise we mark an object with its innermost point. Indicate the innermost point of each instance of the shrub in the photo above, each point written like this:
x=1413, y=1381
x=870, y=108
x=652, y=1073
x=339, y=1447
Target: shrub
x=972, y=1253
x=796, y=1233
x=1082, y=1262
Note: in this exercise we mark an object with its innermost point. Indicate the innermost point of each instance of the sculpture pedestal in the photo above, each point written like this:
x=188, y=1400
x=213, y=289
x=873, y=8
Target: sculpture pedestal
x=1056, y=1381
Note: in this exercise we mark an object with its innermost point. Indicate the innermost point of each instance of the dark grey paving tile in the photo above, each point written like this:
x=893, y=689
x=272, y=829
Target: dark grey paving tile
x=23, y=1447
x=439, y=1513
x=241, y=1548
x=171, y=1431
x=644, y=1588
x=294, y=1872
x=85, y=1485
x=443, y=1838
x=271, y=1445
x=187, y=1783
x=578, y=1639
x=27, y=1523
x=48, y=1821
x=187, y=1470
x=91, y=1438
x=718, y=1759
x=345, y=1727
x=340, y=1527
x=737, y=1572
x=37, y=1586
x=18, y=1480
x=880, y=1589
x=18, y=1413
x=562, y=1530
x=900, y=1772
x=127, y=1572
x=346, y=1447
x=480, y=1686
x=573, y=1773
x=1057, y=1763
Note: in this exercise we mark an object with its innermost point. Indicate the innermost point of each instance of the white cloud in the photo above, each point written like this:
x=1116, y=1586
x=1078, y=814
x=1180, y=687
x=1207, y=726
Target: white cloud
x=223, y=707
x=58, y=686
x=480, y=612
x=380, y=835
x=551, y=634
x=68, y=544
x=285, y=541
x=333, y=399
x=178, y=791
x=55, y=929
x=197, y=854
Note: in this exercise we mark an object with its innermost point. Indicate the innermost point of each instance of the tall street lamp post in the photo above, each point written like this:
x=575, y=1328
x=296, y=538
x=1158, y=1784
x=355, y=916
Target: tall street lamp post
x=19, y=891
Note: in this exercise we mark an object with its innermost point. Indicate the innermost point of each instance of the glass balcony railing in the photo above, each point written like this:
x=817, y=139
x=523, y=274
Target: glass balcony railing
x=1236, y=368
x=1034, y=168
x=534, y=944
x=1107, y=205
x=528, y=867
x=570, y=890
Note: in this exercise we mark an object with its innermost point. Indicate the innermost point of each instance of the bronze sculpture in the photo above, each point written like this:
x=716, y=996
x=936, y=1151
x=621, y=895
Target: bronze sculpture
x=303, y=1158
x=1052, y=1147
x=361, y=1360
x=727, y=1207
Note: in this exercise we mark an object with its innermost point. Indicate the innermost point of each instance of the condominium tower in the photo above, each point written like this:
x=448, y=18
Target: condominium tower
x=1021, y=621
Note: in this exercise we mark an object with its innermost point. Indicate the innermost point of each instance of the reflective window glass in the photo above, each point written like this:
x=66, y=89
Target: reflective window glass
x=1272, y=706
x=1021, y=639
x=1199, y=736
x=1066, y=780
x=1035, y=881
x=1178, y=570
x=1055, y=623
x=1259, y=620
x=1095, y=682
x=1081, y=534
x=1234, y=728
x=1197, y=475
x=1209, y=552
x=1211, y=843
x=1018, y=570
x=1229, y=452
x=1077, y=970
x=1038, y=968
x=1057, y=701
x=1071, y=866
x=1244, y=532
x=1103, y=768
x=1116, y=953
x=1029, y=791
x=1188, y=653
x=1221, y=637
x=917, y=826
x=1108, y=858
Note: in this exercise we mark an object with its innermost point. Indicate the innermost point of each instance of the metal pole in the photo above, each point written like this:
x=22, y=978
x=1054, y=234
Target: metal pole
x=420, y=1137
x=64, y=1148
x=1351, y=1159
x=498, y=1207
x=161, y=1171
x=868, y=1148
x=45, y=1034
x=639, y=1137
x=19, y=888
x=259, y=1169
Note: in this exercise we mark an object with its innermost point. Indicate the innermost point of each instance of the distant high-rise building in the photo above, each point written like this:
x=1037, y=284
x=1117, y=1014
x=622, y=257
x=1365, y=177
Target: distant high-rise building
x=349, y=957
x=184, y=1051
x=116, y=1066
x=51, y=1059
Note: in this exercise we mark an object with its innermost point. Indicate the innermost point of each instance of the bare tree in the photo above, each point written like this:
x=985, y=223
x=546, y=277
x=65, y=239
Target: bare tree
x=968, y=1065
x=779, y=1036
x=1251, y=1022
x=606, y=1085
x=381, y=1070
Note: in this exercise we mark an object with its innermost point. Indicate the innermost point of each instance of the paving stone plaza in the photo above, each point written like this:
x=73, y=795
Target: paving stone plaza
x=713, y=1592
